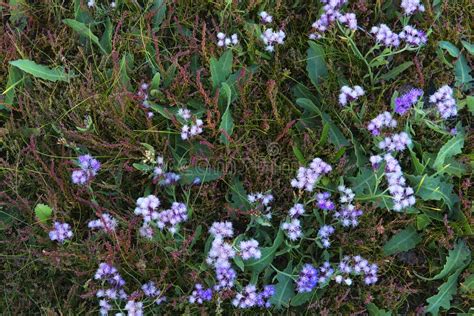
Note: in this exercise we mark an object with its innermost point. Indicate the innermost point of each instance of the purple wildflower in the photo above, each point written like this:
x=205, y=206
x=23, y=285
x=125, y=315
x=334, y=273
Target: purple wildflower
x=292, y=229
x=134, y=308
x=348, y=94
x=61, y=232
x=249, y=249
x=89, y=167
x=200, y=295
x=412, y=6
x=296, y=211
x=178, y=213
x=395, y=142
x=382, y=120
x=225, y=278
x=146, y=207
x=444, y=100
x=412, y=36
x=324, y=233
x=105, y=222
x=404, y=102
x=324, y=202
x=384, y=36
x=222, y=229
x=308, y=279
x=247, y=298
x=263, y=298
x=307, y=178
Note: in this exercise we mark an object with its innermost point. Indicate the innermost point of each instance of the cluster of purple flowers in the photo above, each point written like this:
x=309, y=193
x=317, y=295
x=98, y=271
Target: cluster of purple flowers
x=173, y=216
x=88, y=169
x=263, y=298
x=160, y=174
x=307, y=178
x=348, y=94
x=324, y=233
x=331, y=13
x=249, y=297
x=404, y=102
x=395, y=142
x=412, y=36
x=325, y=272
x=109, y=274
x=227, y=41
x=296, y=211
x=263, y=199
x=271, y=38
x=444, y=100
x=220, y=253
x=292, y=229
x=384, y=119
x=142, y=94
x=249, y=249
x=307, y=279
x=200, y=295
x=150, y=290
x=225, y=278
x=61, y=232
x=348, y=214
x=191, y=128
x=265, y=17
x=412, y=6
x=402, y=194
x=134, y=308
x=105, y=222
x=222, y=229
x=324, y=202
x=147, y=208
x=356, y=266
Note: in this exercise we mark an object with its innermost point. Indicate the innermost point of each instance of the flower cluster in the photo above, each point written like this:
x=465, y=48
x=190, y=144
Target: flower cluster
x=200, y=295
x=412, y=36
x=307, y=279
x=348, y=214
x=331, y=13
x=173, y=216
x=395, y=142
x=224, y=40
x=109, y=274
x=382, y=120
x=403, y=195
x=249, y=249
x=89, y=167
x=105, y=222
x=222, y=229
x=147, y=208
x=385, y=36
x=296, y=211
x=191, y=128
x=292, y=229
x=348, y=94
x=444, y=100
x=225, y=278
x=161, y=176
x=142, y=95
x=325, y=272
x=324, y=233
x=412, y=6
x=249, y=297
x=263, y=298
x=150, y=290
x=61, y=232
x=404, y=102
x=323, y=201
x=356, y=266
x=265, y=17
x=263, y=199
x=307, y=178
x=271, y=38
x=220, y=253
x=134, y=308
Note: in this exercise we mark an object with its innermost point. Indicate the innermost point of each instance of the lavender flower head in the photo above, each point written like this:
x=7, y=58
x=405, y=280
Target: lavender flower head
x=105, y=222
x=247, y=298
x=307, y=178
x=225, y=278
x=404, y=102
x=134, y=308
x=220, y=253
x=170, y=218
x=324, y=202
x=110, y=274
x=412, y=6
x=444, y=100
x=395, y=142
x=200, y=295
x=324, y=233
x=349, y=94
x=263, y=298
x=150, y=290
x=265, y=17
x=384, y=36
x=146, y=207
x=61, y=232
x=249, y=249
x=325, y=272
x=221, y=229
x=402, y=195
x=89, y=167
x=146, y=231
x=271, y=38
x=412, y=36
x=296, y=211
x=375, y=161
x=227, y=41
x=292, y=229
x=348, y=216
x=332, y=13
x=190, y=130
x=261, y=198
x=382, y=120
x=308, y=279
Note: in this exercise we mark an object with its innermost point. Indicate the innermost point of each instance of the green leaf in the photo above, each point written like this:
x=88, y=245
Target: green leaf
x=159, y=11
x=433, y=188
x=268, y=253
x=15, y=77
x=468, y=285
x=375, y=311
x=204, y=174
x=335, y=134
x=393, y=74
x=142, y=167
x=43, y=212
x=402, y=241
x=284, y=289
x=422, y=221
x=41, y=71
x=462, y=73
x=167, y=113
x=301, y=298
x=125, y=67
x=444, y=296
x=106, y=39
x=458, y=258
x=316, y=63
x=221, y=69
x=450, y=48
x=447, y=151
x=238, y=195
x=468, y=46
x=227, y=123
x=299, y=155
x=155, y=82
x=455, y=168
x=364, y=182
x=85, y=31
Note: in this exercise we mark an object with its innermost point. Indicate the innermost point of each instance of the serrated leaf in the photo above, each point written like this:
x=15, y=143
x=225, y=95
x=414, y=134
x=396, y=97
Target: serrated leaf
x=402, y=241
x=468, y=46
x=301, y=298
x=227, y=123
x=268, y=253
x=221, y=69
x=458, y=258
x=316, y=63
x=238, y=195
x=444, y=296
x=284, y=289
x=462, y=73
x=447, y=151
x=106, y=39
x=432, y=188
x=373, y=310
x=43, y=212
x=392, y=74
x=204, y=174
x=450, y=48
x=335, y=134
x=41, y=71
x=85, y=31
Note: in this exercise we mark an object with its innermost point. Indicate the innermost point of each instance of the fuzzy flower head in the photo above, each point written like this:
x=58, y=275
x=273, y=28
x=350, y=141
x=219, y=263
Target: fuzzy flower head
x=89, y=167
x=324, y=202
x=271, y=38
x=404, y=102
x=147, y=208
x=307, y=279
x=220, y=253
x=263, y=298
x=191, y=130
x=324, y=233
x=249, y=249
x=375, y=161
x=247, y=298
x=224, y=40
x=331, y=14
x=292, y=229
x=384, y=36
x=395, y=142
x=348, y=94
x=146, y=231
x=110, y=274
x=261, y=200
x=412, y=36
x=91, y=3
x=348, y=216
x=200, y=295
x=225, y=278
x=150, y=290
x=173, y=216
x=306, y=178
x=296, y=211
x=221, y=229
x=325, y=272
x=348, y=19
x=412, y=6
x=382, y=120
x=402, y=195
x=61, y=232
x=445, y=102
x=185, y=114
x=134, y=308
x=105, y=222
x=265, y=17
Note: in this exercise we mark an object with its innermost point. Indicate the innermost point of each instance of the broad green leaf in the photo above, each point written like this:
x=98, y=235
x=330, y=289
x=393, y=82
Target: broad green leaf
x=468, y=285
x=458, y=258
x=106, y=39
x=142, y=167
x=450, y=48
x=393, y=74
x=375, y=311
x=316, y=63
x=364, y=182
x=43, y=212
x=238, y=195
x=166, y=112
x=204, y=174
x=335, y=134
x=468, y=46
x=268, y=253
x=455, y=168
x=159, y=11
x=301, y=298
x=85, y=31
x=284, y=289
x=227, y=123
x=299, y=155
x=155, y=82
x=422, y=221
x=447, y=151
x=15, y=77
x=462, y=73
x=360, y=155
x=41, y=71
x=221, y=69
x=125, y=67
x=444, y=296
x=433, y=188
x=402, y=241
